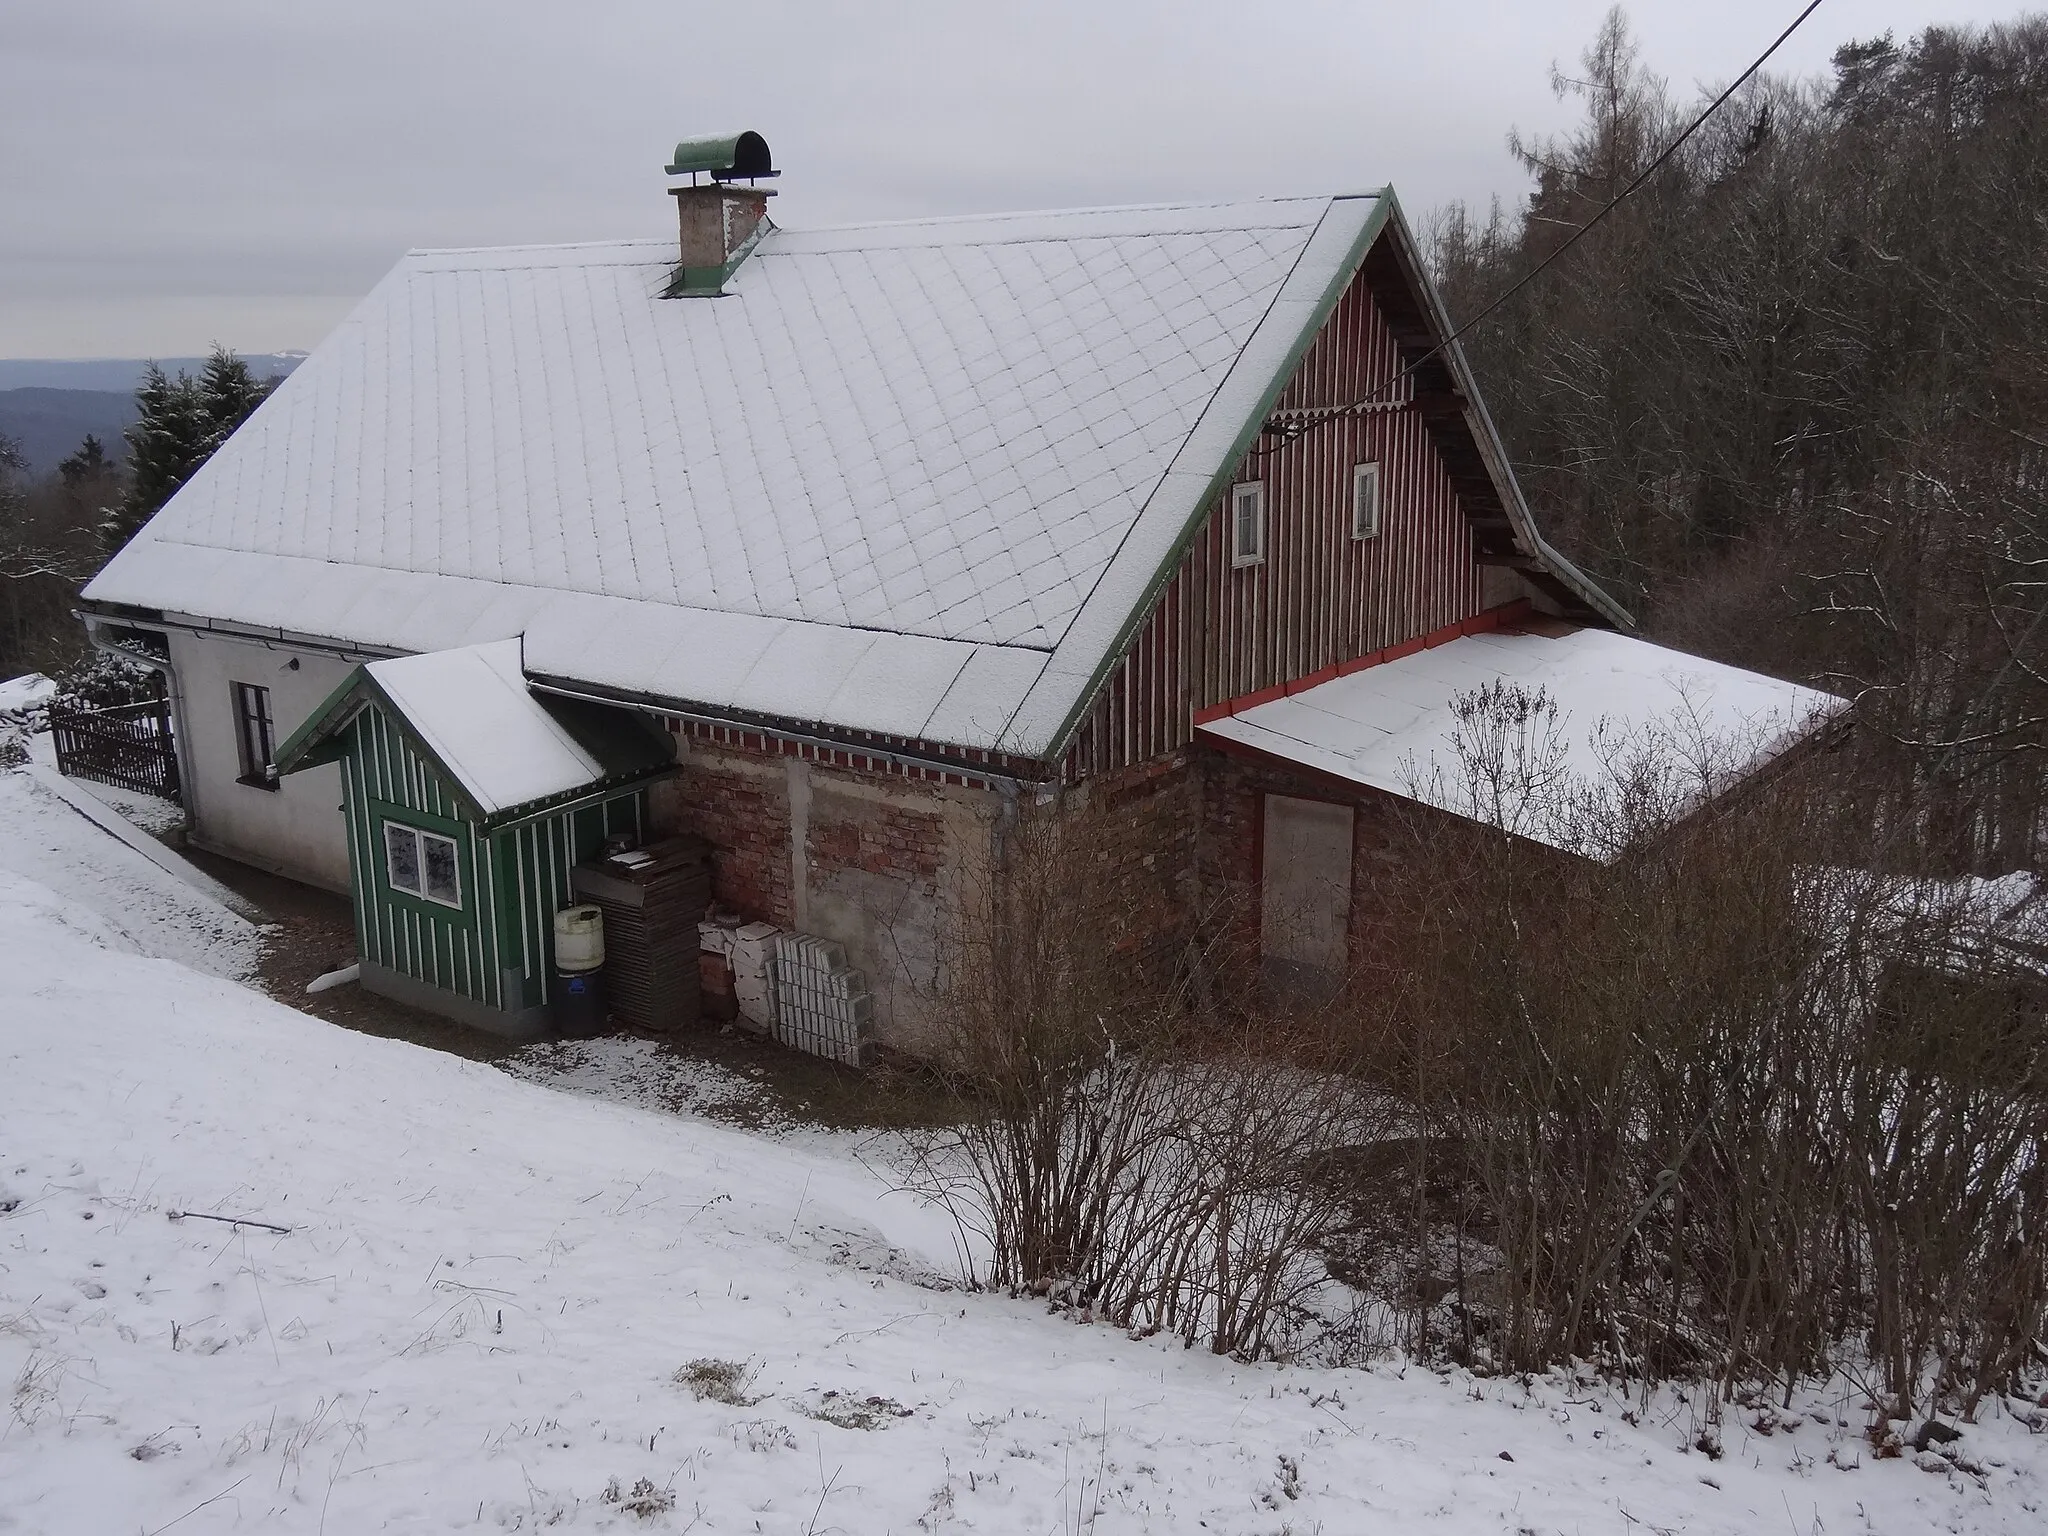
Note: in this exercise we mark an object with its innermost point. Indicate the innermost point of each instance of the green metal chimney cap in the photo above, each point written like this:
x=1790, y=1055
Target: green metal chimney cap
x=726, y=156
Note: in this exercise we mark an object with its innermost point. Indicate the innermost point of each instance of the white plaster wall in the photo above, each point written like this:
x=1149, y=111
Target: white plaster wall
x=895, y=926
x=295, y=829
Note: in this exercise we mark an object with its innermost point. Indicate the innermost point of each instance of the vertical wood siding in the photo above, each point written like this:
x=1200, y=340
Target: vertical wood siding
x=497, y=948
x=534, y=860
x=1320, y=597
x=442, y=945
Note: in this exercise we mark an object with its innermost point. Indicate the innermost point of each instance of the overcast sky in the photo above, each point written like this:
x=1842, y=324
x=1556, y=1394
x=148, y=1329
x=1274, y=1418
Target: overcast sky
x=244, y=170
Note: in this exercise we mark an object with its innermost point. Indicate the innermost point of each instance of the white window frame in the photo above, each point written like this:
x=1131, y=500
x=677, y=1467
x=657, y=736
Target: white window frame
x=420, y=837
x=1252, y=494
x=1365, y=500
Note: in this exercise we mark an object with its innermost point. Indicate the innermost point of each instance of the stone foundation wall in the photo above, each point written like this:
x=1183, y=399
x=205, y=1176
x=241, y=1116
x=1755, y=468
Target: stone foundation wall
x=875, y=860
x=1139, y=826
x=882, y=862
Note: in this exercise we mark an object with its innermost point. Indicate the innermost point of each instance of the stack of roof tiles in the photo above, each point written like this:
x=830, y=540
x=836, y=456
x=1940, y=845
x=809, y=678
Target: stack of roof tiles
x=652, y=899
x=822, y=1004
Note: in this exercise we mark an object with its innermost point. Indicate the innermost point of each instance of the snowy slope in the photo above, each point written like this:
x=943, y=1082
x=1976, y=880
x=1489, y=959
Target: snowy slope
x=146, y=909
x=487, y=1286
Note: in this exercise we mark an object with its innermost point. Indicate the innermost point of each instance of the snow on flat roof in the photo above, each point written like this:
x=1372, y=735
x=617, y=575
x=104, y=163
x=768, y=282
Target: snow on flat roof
x=473, y=708
x=976, y=437
x=1395, y=727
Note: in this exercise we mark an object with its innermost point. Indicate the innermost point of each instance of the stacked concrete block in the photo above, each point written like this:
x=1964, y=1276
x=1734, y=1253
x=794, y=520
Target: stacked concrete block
x=749, y=948
x=822, y=1005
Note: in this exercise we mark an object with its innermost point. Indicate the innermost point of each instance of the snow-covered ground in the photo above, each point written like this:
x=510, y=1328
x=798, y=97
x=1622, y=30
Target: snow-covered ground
x=475, y=1294
x=150, y=813
x=627, y=1070
x=148, y=909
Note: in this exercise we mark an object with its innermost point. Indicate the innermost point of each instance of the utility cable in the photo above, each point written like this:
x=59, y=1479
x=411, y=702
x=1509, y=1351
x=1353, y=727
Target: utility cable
x=1296, y=426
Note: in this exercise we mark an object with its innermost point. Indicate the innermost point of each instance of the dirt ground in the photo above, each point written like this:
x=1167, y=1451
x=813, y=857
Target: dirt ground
x=315, y=933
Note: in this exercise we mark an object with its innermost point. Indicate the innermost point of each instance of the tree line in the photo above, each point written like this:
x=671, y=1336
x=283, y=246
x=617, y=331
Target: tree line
x=1788, y=400
x=57, y=532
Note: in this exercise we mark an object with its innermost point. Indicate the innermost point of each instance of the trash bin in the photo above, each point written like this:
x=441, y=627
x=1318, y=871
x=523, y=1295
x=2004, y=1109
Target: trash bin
x=576, y=1001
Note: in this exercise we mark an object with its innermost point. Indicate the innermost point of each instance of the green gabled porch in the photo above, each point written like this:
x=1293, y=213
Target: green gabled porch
x=468, y=800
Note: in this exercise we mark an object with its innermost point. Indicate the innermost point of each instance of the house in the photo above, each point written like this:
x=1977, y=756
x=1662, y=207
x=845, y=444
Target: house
x=1188, y=511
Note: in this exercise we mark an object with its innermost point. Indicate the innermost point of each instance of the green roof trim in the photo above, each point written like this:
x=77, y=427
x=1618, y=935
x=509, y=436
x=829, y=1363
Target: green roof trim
x=724, y=156
x=627, y=748
x=1220, y=479
x=1386, y=216
x=318, y=738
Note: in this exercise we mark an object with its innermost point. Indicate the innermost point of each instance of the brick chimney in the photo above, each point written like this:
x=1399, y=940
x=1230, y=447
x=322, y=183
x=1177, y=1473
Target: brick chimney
x=720, y=222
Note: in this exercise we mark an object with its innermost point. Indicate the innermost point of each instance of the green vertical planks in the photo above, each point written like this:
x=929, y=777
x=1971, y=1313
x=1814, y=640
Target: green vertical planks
x=533, y=860
x=496, y=948
x=385, y=779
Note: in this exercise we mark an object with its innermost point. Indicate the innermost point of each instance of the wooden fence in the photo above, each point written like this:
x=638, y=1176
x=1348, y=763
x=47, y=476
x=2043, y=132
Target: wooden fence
x=128, y=746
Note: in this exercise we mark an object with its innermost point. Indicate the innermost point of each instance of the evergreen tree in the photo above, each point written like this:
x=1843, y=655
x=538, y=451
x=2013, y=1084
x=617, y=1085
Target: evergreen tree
x=88, y=486
x=227, y=393
x=88, y=463
x=11, y=500
x=179, y=424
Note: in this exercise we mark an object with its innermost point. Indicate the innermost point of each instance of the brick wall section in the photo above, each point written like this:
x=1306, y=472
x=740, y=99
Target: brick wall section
x=899, y=840
x=886, y=856
x=1140, y=826
x=1231, y=846
x=739, y=803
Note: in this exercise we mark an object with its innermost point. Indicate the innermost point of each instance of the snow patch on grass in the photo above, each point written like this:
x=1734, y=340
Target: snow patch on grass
x=626, y=1070
x=483, y=1292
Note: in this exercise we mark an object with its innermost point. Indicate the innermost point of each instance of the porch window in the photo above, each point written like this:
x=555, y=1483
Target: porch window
x=1365, y=501
x=1248, y=523
x=422, y=864
x=255, y=741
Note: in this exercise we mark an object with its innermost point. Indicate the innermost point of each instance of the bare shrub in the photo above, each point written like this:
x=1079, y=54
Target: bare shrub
x=1148, y=1148
x=1728, y=1106
x=722, y=1381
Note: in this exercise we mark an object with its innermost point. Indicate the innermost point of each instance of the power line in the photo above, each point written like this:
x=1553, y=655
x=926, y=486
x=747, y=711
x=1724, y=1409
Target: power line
x=1297, y=426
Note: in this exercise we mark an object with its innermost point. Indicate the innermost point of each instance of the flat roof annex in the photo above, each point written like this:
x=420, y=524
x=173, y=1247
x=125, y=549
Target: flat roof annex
x=1397, y=727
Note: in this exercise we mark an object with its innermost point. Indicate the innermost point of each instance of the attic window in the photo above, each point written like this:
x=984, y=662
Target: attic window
x=1248, y=523
x=1365, y=501
x=422, y=864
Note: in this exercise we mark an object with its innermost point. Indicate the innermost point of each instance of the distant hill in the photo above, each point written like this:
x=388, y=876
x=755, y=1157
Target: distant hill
x=49, y=404
x=123, y=373
x=50, y=423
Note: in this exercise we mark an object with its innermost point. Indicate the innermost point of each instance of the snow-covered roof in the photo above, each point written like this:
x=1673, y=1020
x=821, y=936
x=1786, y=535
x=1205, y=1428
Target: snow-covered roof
x=1397, y=726
x=906, y=478
x=472, y=709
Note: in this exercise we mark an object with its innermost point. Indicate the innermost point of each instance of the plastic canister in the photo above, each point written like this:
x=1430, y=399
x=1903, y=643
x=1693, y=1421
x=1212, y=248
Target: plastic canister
x=579, y=939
